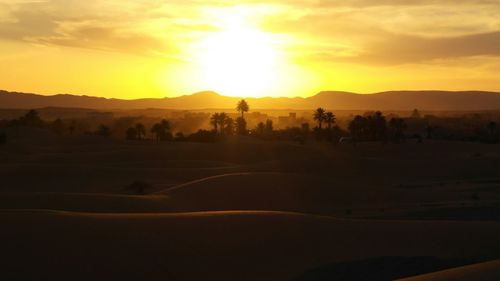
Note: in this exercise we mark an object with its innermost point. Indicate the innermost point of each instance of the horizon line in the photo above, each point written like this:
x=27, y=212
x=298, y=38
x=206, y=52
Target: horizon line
x=242, y=97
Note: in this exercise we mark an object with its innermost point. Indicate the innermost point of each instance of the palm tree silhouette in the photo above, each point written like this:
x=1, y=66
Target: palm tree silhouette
x=214, y=121
x=260, y=128
x=380, y=125
x=229, y=126
x=242, y=107
x=319, y=115
x=241, y=126
x=398, y=125
x=222, y=121
x=140, y=130
x=330, y=119
x=269, y=126
x=357, y=127
x=161, y=130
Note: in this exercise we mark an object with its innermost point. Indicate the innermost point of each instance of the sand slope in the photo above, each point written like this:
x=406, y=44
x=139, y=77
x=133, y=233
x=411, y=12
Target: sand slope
x=216, y=245
x=488, y=271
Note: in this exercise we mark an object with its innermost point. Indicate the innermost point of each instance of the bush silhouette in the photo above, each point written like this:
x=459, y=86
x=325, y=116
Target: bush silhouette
x=179, y=136
x=204, y=136
x=103, y=131
x=58, y=126
x=139, y=187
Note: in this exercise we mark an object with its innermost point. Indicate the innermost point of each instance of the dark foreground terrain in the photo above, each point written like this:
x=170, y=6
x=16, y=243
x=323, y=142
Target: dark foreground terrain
x=246, y=210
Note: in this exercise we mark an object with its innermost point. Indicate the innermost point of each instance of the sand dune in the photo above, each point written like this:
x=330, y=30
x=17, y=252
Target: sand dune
x=266, y=191
x=99, y=232
x=84, y=202
x=275, y=191
x=488, y=271
x=216, y=245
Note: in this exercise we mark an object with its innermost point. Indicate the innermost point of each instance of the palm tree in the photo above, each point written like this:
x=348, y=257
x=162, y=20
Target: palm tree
x=222, y=121
x=241, y=126
x=243, y=107
x=214, y=121
x=269, y=126
x=140, y=130
x=229, y=126
x=398, y=125
x=319, y=115
x=357, y=127
x=330, y=119
x=161, y=130
x=260, y=128
x=380, y=126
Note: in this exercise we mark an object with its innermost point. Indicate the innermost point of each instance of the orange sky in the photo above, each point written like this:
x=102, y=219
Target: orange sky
x=153, y=48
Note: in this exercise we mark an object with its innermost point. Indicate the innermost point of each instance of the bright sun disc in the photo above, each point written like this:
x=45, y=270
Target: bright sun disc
x=239, y=61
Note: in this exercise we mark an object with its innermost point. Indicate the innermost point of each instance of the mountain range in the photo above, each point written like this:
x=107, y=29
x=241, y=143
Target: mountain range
x=332, y=100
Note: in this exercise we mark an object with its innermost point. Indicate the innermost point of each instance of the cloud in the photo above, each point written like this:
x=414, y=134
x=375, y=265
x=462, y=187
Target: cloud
x=408, y=49
x=361, y=31
x=403, y=49
x=83, y=24
x=108, y=38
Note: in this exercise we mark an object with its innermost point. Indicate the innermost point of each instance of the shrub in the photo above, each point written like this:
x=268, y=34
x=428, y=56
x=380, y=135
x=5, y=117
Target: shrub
x=204, y=136
x=139, y=187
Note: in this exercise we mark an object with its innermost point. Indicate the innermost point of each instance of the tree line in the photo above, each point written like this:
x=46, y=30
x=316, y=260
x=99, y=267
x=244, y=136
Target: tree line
x=373, y=126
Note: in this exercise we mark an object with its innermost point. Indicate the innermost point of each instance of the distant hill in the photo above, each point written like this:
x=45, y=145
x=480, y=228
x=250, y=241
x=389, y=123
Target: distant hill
x=395, y=100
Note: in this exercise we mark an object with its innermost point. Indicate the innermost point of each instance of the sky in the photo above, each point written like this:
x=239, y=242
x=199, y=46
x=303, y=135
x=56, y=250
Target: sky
x=150, y=48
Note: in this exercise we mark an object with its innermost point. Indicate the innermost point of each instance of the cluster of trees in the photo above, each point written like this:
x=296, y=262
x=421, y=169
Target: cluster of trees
x=475, y=127
x=331, y=132
x=371, y=126
x=32, y=119
x=322, y=116
x=160, y=130
x=374, y=127
x=223, y=124
x=263, y=129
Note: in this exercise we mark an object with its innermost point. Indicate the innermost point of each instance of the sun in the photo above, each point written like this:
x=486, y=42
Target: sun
x=239, y=60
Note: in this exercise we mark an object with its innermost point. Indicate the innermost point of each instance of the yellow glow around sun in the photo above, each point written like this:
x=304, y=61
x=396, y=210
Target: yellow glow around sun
x=239, y=60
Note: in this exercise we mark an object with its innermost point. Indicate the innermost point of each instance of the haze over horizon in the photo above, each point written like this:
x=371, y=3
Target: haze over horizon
x=148, y=49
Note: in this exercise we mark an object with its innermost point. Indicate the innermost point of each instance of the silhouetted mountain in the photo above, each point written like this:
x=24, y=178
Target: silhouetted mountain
x=407, y=100
x=395, y=100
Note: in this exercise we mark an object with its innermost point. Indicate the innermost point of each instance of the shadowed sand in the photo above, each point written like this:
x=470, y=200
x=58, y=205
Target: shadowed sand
x=488, y=271
x=217, y=245
x=67, y=215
